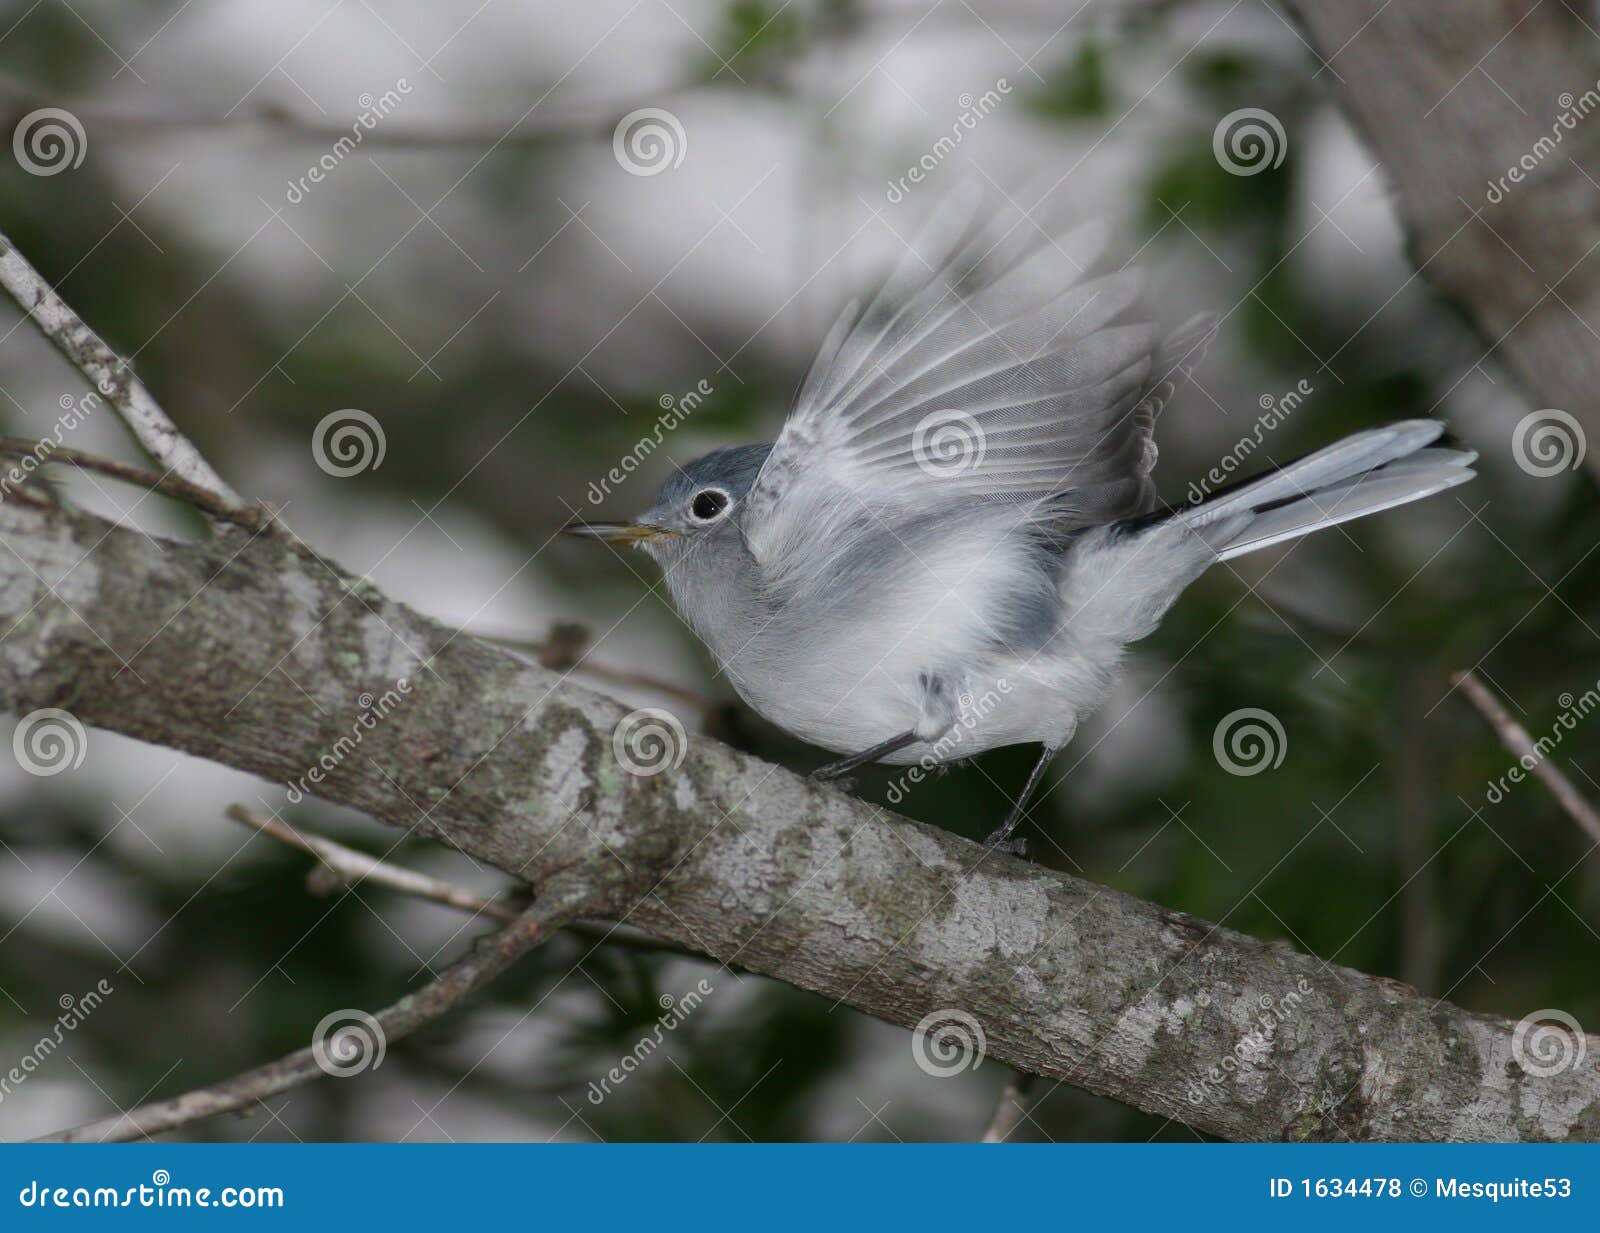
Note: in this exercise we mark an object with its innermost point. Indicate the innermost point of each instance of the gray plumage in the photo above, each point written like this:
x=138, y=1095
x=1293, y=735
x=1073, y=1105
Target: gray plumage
x=955, y=535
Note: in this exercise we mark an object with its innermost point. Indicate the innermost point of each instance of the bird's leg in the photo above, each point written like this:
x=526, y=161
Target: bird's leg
x=844, y=766
x=1001, y=839
x=936, y=701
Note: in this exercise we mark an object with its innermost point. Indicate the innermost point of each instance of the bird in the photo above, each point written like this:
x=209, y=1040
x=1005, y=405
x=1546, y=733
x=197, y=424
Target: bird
x=955, y=537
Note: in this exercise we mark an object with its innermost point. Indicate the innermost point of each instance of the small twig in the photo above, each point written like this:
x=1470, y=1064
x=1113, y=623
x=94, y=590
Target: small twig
x=565, y=648
x=110, y=375
x=16, y=98
x=352, y=866
x=349, y=866
x=252, y=517
x=1516, y=739
x=1008, y=1114
x=487, y=959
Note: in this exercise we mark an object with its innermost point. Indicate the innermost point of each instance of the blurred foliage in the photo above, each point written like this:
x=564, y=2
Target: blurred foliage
x=755, y=38
x=1077, y=89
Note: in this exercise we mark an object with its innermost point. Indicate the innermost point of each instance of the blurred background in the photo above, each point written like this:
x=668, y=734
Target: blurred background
x=518, y=280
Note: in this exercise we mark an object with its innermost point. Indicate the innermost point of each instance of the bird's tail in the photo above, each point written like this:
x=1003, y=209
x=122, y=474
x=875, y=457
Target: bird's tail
x=1364, y=473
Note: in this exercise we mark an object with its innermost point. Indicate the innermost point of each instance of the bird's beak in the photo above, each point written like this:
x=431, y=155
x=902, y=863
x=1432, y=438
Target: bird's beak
x=617, y=532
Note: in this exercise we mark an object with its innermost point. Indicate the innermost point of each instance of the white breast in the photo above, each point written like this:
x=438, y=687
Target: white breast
x=840, y=667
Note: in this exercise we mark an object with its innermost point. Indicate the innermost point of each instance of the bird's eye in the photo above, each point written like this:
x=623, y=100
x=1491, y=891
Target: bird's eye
x=708, y=504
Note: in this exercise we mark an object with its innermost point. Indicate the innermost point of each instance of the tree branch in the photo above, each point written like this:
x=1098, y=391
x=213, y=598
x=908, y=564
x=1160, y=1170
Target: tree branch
x=487, y=959
x=1011, y=1108
x=593, y=123
x=1516, y=739
x=348, y=867
x=566, y=646
x=46, y=452
x=213, y=648
x=1462, y=101
x=111, y=376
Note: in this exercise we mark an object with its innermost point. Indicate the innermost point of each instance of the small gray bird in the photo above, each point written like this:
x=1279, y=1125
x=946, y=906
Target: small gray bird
x=955, y=536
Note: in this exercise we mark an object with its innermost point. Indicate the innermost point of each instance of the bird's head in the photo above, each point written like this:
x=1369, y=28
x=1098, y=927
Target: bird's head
x=697, y=504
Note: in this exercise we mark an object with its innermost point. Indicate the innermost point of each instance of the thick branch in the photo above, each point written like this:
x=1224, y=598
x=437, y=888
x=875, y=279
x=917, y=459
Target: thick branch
x=1480, y=112
x=487, y=959
x=214, y=648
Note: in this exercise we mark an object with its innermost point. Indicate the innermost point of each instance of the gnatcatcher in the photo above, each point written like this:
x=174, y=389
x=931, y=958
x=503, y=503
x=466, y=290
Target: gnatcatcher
x=960, y=507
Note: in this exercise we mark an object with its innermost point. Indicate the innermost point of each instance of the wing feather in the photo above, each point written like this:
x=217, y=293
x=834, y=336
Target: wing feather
x=998, y=369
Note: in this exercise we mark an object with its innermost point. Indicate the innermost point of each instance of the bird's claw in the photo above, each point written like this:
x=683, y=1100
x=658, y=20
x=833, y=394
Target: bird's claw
x=844, y=783
x=1014, y=847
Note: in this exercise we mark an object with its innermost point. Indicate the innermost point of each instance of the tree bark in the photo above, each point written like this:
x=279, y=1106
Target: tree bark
x=253, y=652
x=1463, y=103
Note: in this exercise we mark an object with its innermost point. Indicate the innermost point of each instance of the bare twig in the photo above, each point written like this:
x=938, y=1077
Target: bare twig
x=252, y=517
x=1008, y=1114
x=550, y=126
x=487, y=959
x=110, y=375
x=349, y=866
x=1516, y=739
x=565, y=648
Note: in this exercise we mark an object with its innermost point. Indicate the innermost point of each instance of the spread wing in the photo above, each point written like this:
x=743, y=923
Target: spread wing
x=1003, y=370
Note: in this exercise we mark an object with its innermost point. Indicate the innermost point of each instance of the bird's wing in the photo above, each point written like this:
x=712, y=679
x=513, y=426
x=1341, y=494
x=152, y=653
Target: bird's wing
x=1004, y=370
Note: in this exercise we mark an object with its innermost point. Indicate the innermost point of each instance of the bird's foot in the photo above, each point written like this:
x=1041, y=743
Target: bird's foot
x=1001, y=841
x=841, y=780
x=834, y=772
